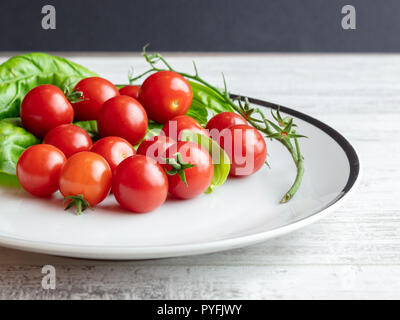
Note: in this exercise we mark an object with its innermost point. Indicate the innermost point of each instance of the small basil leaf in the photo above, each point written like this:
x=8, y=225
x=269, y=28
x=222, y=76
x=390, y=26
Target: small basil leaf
x=213, y=102
x=90, y=127
x=220, y=158
x=14, y=139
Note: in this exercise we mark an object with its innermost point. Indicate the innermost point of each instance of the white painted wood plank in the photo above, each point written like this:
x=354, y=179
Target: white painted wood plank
x=211, y=282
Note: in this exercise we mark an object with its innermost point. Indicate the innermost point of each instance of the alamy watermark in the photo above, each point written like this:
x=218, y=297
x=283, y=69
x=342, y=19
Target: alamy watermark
x=49, y=280
x=349, y=18
x=49, y=20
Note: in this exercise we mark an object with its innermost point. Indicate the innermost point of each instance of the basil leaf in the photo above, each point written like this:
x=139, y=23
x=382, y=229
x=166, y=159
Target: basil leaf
x=8, y=180
x=207, y=99
x=14, y=139
x=198, y=111
x=90, y=127
x=21, y=73
x=153, y=129
x=220, y=158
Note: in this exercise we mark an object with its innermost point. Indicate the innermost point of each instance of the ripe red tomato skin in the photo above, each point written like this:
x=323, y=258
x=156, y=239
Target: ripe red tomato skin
x=69, y=138
x=174, y=127
x=223, y=120
x=95, y=92
x=140, y=184
x=88, y=174
x=198, y=177
x=164, y=95
x=44, y=108
x=125, y=117
x=39, y=168
x=155, y=147
x=114, y=150
x=131, y=91
x=252, y=146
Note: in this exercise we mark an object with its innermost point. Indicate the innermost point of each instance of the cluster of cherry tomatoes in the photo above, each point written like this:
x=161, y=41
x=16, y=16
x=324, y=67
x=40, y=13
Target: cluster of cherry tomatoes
x=85, y=172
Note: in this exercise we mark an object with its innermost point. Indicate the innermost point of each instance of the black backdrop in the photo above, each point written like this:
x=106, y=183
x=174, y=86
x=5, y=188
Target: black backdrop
x=201, y=25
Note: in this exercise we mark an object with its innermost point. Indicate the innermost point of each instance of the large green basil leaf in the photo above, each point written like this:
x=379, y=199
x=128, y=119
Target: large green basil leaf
x=90, y=127
x=198, y=111
x=21, y=73
x=206, y=100
x=220, y=158
x=14, y=139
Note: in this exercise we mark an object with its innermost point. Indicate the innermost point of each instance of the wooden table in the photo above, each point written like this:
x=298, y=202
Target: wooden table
x=353, y=253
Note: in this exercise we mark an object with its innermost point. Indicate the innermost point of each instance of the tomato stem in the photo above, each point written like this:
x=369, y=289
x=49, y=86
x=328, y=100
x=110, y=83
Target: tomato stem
x=282, y=132
x=73, y=96
x=78, y=201
x=178, y=167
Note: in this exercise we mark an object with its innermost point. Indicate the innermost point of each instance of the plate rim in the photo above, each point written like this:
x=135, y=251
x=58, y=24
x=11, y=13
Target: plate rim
x=176, y=250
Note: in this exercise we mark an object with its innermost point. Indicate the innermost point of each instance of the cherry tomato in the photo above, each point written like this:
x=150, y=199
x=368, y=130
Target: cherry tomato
x=140, y=184
x=131, y=91
x=174, y=127
x=198, y=177
x=114, y=150
x=39, y=168
x=164, y=95
x=95, y=92
x=69, y=138
x=155, y=147
x=123, y=116
x=44, y=108
x=223, y=121
x=245, y=147
x=86, y=174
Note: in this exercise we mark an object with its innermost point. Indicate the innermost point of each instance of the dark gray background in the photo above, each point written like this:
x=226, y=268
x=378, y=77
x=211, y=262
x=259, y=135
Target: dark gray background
x=201, y=25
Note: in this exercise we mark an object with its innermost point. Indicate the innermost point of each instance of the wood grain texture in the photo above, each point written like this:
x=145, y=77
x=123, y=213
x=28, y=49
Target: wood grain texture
x=352, y=253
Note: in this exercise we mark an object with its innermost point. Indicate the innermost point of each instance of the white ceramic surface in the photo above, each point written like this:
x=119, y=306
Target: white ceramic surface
x=241, y=212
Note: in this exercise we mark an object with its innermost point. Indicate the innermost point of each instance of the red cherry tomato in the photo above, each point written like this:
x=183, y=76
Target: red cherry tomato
x=95, y=92
x=123, y=116
x=131, y=91
x=245, y=147
x=223, y=121
x=114, y=150
x=198, y=178
x=140, y=184
x=44, y=108
x=87, y=174
x=174, y=127
x=69, y=138
x=164, y=95
x=39, y=168
x=155, y=147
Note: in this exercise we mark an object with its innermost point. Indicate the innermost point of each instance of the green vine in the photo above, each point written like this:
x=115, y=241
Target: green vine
x=282, y=131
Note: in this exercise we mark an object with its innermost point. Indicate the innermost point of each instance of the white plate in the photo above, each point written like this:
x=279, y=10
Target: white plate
x=241, y=212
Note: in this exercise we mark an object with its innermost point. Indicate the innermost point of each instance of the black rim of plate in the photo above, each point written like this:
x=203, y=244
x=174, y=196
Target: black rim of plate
x=352, y=157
